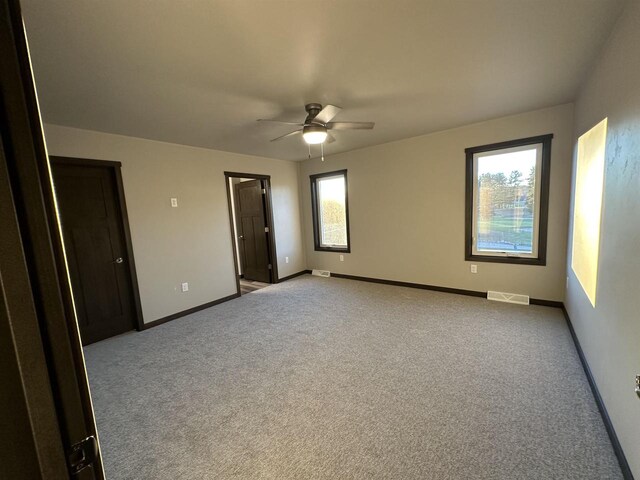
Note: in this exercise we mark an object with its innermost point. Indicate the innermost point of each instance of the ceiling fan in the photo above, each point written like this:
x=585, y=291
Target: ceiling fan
x=315, y=129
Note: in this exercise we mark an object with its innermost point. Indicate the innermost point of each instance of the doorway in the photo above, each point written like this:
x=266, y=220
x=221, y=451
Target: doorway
x=97, y=243
x=251, y=219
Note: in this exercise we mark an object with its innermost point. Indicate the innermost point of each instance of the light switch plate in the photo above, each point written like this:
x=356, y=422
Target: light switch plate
x=174, y=202
x=474, y=268
x=185, y=287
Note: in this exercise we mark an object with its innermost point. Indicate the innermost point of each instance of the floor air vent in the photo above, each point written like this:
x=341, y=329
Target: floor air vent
x=508, y=297
x=321, y=273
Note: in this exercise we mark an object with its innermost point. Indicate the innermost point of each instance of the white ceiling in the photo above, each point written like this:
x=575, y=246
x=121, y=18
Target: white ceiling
x=200, y=73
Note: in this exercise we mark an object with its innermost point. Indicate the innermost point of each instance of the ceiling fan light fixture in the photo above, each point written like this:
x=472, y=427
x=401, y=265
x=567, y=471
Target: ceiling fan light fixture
x=314, y=134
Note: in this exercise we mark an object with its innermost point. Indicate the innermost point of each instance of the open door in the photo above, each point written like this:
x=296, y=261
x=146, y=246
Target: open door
x=45, y=345
x=252, y=230
x=251, y=222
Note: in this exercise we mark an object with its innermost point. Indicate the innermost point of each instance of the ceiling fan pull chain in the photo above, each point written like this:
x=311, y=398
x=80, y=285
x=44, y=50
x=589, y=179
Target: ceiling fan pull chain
x=322, y=150
x=309, y=145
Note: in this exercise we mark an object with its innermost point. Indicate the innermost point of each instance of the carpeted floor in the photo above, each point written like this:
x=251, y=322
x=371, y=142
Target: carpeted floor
x=337, y=379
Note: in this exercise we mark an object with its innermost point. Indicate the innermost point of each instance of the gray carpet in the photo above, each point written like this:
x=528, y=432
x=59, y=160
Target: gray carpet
x=337, y=379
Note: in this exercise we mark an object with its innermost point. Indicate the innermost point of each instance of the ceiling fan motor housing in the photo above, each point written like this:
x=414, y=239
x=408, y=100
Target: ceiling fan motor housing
x=313, y=109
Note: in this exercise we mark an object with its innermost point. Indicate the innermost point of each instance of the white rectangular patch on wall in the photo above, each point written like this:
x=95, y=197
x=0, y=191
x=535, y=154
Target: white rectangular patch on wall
x=587, y=208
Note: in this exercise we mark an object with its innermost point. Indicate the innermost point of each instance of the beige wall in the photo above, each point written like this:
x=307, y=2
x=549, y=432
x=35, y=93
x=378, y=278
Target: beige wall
x=610, y=332
x=406, y=208
x=191, y=243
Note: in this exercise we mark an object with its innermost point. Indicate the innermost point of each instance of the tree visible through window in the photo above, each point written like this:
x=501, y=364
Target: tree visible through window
x=506, y=200
x=329, y=203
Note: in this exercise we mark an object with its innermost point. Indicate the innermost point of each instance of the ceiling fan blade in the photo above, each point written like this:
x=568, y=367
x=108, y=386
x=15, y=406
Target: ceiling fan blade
x=350, y=125
x=330, y=138
x=326, y=114
x=287, y=135
x=281, y=122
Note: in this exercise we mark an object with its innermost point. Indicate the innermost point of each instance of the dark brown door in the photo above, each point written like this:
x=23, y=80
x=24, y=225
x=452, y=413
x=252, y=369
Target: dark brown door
x=252, y=237
x=96, y=251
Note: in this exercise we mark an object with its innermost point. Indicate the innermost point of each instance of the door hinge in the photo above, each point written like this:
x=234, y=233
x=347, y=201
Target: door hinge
x=82, y=454
x=266, y=229
x=264, y=191
x=269, y=266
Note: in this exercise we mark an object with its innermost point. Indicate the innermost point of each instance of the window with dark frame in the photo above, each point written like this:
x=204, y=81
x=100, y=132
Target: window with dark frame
x=507, y=201
x=330, y=209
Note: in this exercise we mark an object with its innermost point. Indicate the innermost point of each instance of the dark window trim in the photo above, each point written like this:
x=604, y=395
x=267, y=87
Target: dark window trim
x=314, y=211
x=541, y=259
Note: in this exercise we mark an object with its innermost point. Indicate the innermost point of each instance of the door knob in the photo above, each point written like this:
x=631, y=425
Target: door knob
x=241, y=237
x=118, y=260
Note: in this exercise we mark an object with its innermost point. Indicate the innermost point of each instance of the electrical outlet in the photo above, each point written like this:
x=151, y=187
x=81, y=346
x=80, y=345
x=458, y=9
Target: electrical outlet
x=342, y=258
x=174, y=202
x=286, y=259
x=185, y=287
x=474, y=268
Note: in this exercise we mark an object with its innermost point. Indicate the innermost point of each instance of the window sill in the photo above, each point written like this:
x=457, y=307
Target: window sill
x=333, y=249
x=504, y=259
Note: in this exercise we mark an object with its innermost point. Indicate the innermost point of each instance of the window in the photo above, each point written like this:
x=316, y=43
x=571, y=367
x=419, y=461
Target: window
x=330, y=209
x=507, y=200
